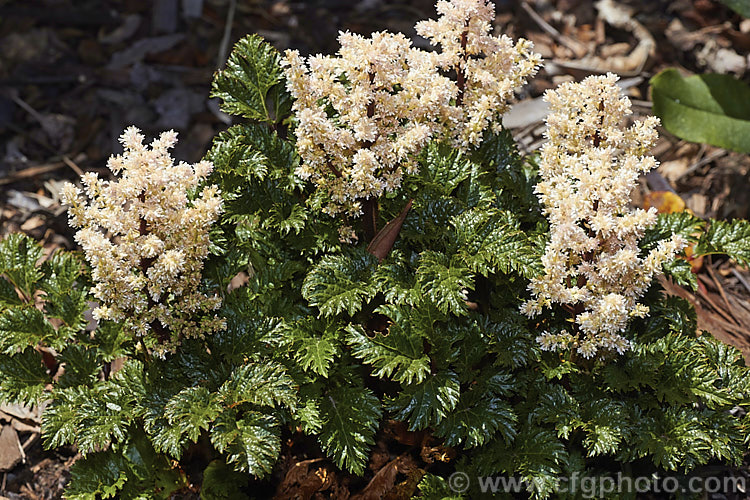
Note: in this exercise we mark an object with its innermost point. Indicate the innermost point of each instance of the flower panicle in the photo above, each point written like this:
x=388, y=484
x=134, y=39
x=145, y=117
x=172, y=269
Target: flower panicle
x=146, y=236
x=364, y=114
x=592, y=264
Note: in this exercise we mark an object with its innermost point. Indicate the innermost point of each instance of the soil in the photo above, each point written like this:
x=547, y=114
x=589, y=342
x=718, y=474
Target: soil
x=75, y=73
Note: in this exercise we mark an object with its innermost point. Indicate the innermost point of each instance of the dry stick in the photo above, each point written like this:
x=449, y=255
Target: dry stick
x=713, y=304
x=715, y=155
x=224, y=45
x=579, y=308
x=38, y=117
x=460, y=75
x=711, y=272
x=742, y=279
x=31, y=172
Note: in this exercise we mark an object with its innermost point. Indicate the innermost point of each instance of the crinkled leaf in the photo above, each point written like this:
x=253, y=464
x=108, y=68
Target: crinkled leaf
x=250, y=442
x=442, y=168
x=250, y=151
x=446, y=282
x=100, y=475
x=252, y=84
x=111, y=340
x=315, y=344
x=92, y=418
x=434, y=487
x=681, y=273
x=425, y=404
x=398, y=355
x=81, y=366
x=260, y=384
x=8, y=294
x=24, y=327
x=23, y=377
x=490, y=241
x=350, y=416
x=682, y=223
x=18, y=258
x=728, y=238
x=192, y=411
x=480, y=414
x=65, y=299
x=340, y=283
x=741, y=7
x=222, y=482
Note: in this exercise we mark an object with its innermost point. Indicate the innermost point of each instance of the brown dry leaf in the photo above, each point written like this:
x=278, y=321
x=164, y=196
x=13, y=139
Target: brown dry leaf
x=665, y=202
x=304, y=479
x=697, y=203
x=402, y=434
x=432, y=454
x=384, y=484
x=381, y=245
x=379, y=456
x=32, y=223
x=681, y=37
x=11, y=453
x=542, y=44
x=720, y=59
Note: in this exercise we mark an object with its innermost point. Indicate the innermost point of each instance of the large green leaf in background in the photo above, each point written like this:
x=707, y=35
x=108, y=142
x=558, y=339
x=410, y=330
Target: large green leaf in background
x=742, y=7
x=709, y=108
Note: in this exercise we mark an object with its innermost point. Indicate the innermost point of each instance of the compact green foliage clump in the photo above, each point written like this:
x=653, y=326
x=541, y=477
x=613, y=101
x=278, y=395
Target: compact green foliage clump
x=412, y=317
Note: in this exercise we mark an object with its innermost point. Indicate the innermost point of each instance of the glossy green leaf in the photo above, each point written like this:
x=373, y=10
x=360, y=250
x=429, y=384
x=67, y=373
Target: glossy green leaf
x=252, y=85
x=710, y=108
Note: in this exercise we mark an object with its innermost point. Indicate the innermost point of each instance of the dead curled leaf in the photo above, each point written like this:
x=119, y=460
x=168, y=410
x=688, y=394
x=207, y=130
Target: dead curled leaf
x=381, y=245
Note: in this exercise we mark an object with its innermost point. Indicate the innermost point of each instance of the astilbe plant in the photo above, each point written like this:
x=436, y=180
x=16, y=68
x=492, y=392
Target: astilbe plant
x=413, y=320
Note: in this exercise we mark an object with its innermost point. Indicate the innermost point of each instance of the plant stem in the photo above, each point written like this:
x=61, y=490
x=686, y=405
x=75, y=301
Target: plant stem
x=370, y=218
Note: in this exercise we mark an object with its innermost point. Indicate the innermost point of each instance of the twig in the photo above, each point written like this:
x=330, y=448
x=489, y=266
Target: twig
x=29, y=441
x=38, y=117
x=75, y=168
x=742, y=279
x=579, y=49
x=224, y=45
x=31, y=172
x=711, y=272
x=703, y=161
x=716, y=308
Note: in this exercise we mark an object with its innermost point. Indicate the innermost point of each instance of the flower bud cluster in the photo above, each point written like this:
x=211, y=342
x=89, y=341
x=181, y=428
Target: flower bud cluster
x=593, y=266
x=146, y=238
x=365, y=114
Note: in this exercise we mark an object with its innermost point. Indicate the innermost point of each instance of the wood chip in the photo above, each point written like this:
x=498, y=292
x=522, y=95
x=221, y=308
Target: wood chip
x=11, y=453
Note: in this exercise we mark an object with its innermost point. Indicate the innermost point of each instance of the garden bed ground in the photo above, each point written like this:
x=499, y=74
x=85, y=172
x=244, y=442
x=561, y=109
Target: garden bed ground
x=74, y=74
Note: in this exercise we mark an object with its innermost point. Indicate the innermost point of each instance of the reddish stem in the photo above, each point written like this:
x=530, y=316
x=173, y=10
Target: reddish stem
x=460, y=71
x=370, y=218
x=161, y=333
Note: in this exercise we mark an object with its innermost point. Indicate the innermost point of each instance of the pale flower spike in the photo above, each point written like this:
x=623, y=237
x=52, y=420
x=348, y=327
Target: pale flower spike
x=592, y=265
x=146, y=240
x=364, y=115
